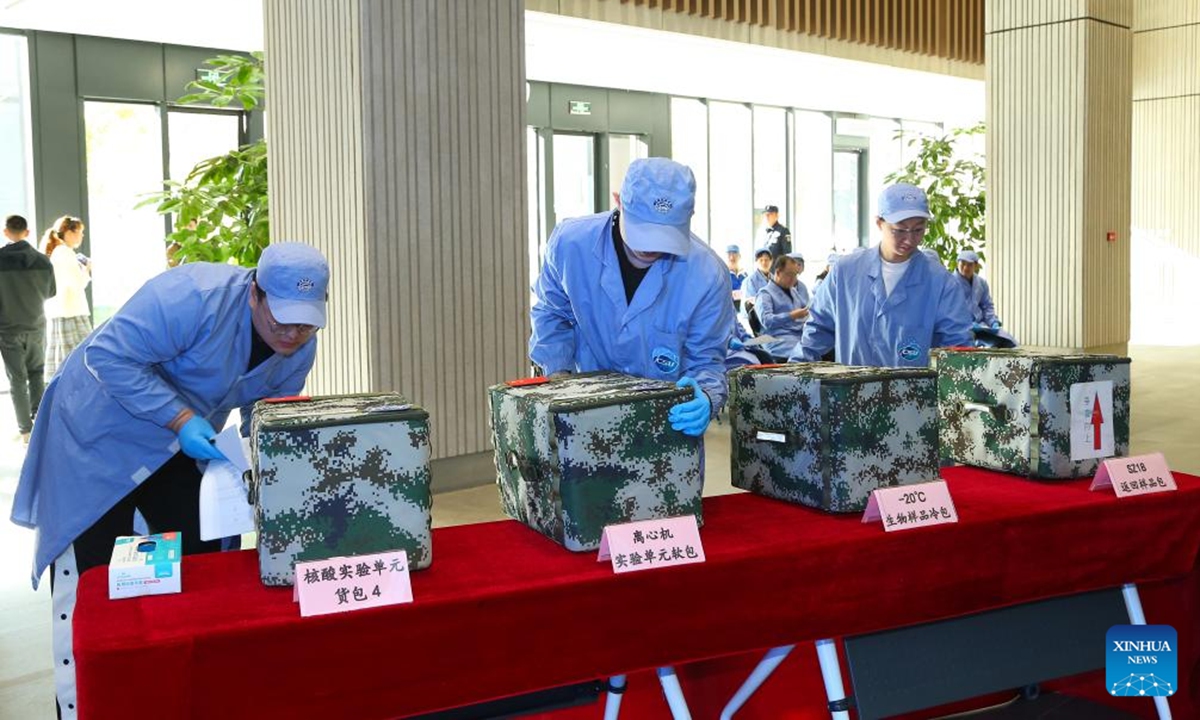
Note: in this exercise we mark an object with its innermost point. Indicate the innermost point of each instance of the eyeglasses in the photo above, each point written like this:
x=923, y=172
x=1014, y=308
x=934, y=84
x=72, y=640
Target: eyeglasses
x=285, y=329
x=910, y=232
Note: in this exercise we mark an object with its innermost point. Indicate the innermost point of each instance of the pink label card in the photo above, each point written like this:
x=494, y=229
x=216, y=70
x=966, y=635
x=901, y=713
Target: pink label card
x=343, y=584
x=910, y=506
x=649, y=544
x=1137, y=475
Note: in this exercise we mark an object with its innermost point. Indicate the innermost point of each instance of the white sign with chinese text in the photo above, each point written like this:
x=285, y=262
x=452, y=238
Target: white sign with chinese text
x=1138, y=475
x=1092, y=420
x=343, y=584
x=649, y=544
x=910, y=506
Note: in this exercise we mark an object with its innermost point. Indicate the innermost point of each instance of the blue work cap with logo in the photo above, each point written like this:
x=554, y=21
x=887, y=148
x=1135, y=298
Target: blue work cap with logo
x=658, y=198
x=733, y=249
x=901, y=202
x=295, y=278
x=968, y=256
x=762, y=251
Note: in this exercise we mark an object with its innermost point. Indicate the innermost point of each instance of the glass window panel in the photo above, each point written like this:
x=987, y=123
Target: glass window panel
x=193, y=137
x=886, y=158
x=770, y=166
x=16, y=138
x=574, y=176
x=536, y=198
x=689, y=145
x=124, y=163
x=847, y=221
x=623, y=150
x=732, y=213
x=812, y=231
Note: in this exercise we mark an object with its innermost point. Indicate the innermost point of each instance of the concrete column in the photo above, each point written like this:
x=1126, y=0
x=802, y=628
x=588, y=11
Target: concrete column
x=396, y=144
x=1059, y=85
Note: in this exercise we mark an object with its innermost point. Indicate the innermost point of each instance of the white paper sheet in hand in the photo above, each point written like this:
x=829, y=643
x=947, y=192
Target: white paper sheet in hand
x=760, y=340
x=224, y=507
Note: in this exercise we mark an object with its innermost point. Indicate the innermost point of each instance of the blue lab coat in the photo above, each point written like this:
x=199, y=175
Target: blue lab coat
x=979, y=299
x=678, y=324
x=853, y=314
x=183, y=340
x=773, y=304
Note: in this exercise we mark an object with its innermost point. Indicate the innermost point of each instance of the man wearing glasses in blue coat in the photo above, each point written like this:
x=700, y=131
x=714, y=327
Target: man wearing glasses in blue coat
x=135, y=407
x=886, y=306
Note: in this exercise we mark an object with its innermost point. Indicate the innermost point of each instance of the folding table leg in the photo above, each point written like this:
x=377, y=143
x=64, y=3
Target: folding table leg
x=831, y=671
x=761, y=672
x=1133, y=604
x=612, y=704
x=674, y=693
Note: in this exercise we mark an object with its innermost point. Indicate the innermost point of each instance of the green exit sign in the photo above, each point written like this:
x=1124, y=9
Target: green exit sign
x=579, y=107
x=208, y=75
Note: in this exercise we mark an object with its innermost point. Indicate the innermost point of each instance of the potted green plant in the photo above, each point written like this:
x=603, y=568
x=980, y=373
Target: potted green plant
x=952, y=177
x=220, y=210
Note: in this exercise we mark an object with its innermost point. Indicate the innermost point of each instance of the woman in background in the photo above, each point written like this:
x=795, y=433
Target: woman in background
x=69, y=318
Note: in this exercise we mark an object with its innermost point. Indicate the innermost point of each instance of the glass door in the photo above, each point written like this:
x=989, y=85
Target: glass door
x=573, y=169
x=850, y=228
x=124, y=163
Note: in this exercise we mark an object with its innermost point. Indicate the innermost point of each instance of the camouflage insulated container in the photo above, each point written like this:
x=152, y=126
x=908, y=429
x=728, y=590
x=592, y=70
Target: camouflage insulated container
x=826, y=435
x=339, y=475
x=581, y=452
x=1037, y=414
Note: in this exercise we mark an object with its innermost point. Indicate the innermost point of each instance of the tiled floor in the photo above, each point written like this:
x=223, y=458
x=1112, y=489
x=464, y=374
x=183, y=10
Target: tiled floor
x=1166, y=418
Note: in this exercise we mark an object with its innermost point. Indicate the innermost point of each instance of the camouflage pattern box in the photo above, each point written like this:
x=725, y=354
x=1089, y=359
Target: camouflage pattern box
x=1012, y=410
x=826, y=435
x=339, y=475
x=577, y=453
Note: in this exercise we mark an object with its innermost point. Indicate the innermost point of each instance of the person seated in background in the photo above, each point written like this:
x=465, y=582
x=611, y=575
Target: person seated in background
x=976, y=291
x=783, y=305
x=755, y=281
x=829, y=262
x=887, y=305
x=733, y=260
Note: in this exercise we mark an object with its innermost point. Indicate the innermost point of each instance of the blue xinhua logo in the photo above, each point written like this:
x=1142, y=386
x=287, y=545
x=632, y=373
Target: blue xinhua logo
x=1140, y=661
x=665, y=359
x=910, y=351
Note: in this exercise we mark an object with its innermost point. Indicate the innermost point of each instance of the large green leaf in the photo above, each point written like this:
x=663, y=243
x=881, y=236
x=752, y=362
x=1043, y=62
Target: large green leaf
x=221, y=210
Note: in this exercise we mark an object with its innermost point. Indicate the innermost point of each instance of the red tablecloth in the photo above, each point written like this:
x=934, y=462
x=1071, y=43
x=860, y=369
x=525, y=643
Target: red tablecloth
x=504, y=611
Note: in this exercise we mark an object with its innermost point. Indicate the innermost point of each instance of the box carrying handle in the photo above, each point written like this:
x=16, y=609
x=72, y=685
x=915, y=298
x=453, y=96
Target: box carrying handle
x=999, y=412
x=772, y=436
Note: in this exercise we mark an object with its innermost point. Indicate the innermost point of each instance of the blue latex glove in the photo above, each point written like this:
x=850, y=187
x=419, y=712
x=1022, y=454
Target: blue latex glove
x=976, y=327
x=996, y=324
x=195, y=438
x=735, y=344
x=691, y=417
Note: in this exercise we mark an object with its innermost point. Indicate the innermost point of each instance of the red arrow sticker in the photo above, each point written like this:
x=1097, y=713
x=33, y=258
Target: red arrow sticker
x=1097, y=422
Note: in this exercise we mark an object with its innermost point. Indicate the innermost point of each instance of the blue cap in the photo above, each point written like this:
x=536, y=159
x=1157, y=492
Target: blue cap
x=968, y=256
x=901, y=202
x=658, y=198
x=761, y=251
x=796, y=256
x=295, y=278
x=734, y=249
